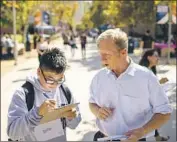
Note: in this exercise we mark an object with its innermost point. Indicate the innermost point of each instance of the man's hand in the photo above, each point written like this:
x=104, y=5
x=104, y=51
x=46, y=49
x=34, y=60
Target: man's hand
x=134, y=135
x=47, y=106
x=163, y=80
x=104, y=113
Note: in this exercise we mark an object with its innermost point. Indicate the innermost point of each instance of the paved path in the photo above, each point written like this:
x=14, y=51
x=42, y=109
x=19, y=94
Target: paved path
x=78, y=79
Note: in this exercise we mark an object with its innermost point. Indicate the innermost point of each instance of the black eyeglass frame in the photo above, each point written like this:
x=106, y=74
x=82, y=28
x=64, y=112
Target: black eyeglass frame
x=52, y=82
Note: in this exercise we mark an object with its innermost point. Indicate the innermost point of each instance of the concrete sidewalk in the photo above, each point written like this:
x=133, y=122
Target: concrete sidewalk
x=78, y=78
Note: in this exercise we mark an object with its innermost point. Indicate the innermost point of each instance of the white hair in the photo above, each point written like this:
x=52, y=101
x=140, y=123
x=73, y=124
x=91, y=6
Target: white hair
x=119, y=37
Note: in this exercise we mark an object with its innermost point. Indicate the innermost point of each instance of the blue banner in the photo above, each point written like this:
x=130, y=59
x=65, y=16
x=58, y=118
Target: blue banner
x=162, y=14
x=46, y=17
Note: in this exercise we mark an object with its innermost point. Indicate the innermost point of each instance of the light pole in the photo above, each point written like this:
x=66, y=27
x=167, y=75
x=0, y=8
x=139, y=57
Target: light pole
x=169, y=32
x=14, y=32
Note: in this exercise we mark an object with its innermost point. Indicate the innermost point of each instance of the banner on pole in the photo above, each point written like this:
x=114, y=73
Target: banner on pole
x=174, y=13
x=162, y=14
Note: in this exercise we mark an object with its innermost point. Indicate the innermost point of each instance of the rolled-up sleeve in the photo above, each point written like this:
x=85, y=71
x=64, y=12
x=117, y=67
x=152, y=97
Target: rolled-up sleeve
x=158, y=97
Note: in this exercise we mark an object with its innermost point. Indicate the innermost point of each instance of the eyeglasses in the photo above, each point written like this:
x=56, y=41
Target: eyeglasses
x=51, y=82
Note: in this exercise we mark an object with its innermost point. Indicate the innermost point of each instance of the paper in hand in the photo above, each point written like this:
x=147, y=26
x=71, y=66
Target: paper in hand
x=57, y=113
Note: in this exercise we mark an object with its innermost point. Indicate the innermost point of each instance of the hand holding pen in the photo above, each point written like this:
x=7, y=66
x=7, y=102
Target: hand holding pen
x=47, y=106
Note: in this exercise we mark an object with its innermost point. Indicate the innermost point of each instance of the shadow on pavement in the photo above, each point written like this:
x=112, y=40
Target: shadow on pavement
x=162, y=71
x=89, y=131
x=172, y=92
x=19, y=80
x=92, y=63
x=25, y=69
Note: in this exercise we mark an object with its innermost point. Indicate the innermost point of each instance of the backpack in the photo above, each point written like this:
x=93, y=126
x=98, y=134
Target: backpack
x=29, y=93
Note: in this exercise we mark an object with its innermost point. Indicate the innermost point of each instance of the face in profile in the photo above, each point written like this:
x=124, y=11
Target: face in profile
x=153, y=60
x=111, y=55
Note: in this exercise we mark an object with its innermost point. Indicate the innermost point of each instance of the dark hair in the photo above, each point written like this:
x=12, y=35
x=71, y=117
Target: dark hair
x=148, y=31
x=53, y=60
x=145, y=62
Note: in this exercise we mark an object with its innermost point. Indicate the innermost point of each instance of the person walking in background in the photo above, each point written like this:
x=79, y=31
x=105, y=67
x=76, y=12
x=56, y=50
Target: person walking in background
x=65, y=40
x=150, y=60
x=116, y=86
x=48, y=42
x=28, y=44
x=147, y=41
x=10, y=45
x=49, y=93
x=83, y=39
x=72, y=43
x=35, y=39
x=41, y=47
x=3, y=44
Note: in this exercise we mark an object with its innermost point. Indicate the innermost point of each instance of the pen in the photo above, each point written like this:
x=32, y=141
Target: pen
x=46, y=95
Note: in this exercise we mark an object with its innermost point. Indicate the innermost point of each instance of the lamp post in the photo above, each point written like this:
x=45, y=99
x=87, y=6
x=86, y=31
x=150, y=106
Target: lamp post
x=169, y=32
x=14, y=33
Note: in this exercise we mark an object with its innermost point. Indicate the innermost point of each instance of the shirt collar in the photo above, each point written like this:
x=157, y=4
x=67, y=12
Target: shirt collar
x=130, y=70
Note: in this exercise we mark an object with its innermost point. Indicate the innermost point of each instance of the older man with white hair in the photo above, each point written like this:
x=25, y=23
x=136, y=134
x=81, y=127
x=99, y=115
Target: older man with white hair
x=126, y=99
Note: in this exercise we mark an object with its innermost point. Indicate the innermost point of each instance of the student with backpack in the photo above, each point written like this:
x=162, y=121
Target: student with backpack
x=42, y=92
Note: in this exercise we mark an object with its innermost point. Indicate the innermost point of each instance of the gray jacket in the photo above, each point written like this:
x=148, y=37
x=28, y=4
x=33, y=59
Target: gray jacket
x=21, y=122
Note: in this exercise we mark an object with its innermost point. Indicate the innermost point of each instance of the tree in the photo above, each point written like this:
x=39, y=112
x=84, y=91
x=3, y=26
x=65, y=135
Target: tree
x=123, y=13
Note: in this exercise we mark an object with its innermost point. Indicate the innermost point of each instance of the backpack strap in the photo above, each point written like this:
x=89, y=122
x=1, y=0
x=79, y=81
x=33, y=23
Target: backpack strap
x=29, y=94
x=66, y=92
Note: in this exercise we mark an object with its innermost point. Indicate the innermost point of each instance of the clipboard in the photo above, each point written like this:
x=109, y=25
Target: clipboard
x=56, y=113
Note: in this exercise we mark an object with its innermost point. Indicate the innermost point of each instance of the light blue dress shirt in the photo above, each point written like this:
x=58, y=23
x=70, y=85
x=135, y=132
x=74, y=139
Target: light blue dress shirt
x=135, y=95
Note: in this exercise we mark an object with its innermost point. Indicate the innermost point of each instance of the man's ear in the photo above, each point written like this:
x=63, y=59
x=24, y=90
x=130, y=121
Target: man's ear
x=124, y=51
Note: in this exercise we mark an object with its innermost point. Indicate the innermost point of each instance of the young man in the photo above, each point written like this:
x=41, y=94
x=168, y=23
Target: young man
x=48, y=95
x=125, y=97
x=147, y=41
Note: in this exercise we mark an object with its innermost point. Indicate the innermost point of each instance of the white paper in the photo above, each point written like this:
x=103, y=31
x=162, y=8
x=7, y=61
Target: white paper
x=117, y=137
x=50, y=130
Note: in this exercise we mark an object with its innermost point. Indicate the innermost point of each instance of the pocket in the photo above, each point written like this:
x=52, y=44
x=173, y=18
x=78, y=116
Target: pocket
x=133, y=109
x=131, y=103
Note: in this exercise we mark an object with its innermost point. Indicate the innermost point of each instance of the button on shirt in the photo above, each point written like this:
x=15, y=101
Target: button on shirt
x=135, y=95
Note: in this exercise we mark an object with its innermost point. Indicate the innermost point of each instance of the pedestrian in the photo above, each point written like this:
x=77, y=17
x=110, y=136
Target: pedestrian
x=150, y=60
x=65, y=40
x=35, y=38
x=47, y=85
x=72, y=43
x=147, y=41
x=10, y=46
x=123, y=95
x=28, y=44
x=3, y=45
x=41, y=47
x=83, y=39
